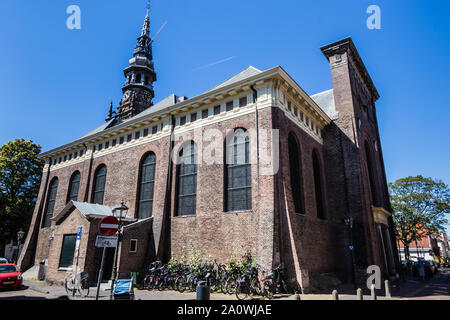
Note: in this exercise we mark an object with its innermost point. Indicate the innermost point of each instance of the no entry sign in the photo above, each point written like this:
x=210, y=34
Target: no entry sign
x=109, y=226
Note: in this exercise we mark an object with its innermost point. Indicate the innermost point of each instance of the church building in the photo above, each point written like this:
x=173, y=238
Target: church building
x=253, y=165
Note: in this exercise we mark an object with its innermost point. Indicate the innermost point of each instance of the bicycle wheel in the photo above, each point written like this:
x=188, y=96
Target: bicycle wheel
x=68, y=285
x=242, y=291
x=230, y=285
x=181, y=284
x=83, y=288
x=268, y=289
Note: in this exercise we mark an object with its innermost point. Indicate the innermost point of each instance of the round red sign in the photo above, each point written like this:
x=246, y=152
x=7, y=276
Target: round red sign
x=108, y=226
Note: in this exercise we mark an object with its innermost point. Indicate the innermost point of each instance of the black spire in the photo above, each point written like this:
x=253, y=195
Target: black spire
x=140, y=75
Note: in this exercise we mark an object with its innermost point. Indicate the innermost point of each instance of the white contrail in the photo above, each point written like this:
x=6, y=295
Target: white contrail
x=164, y=24
x=215, y=63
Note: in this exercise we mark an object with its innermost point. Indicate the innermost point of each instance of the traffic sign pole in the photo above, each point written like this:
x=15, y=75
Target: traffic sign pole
x=100, y=274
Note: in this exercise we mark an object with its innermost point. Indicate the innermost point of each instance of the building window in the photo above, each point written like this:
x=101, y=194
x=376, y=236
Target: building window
x=154, y=129
x=114, y=142
x=295, y=166
x=121, y=140
x=67, y=251
x=318, y=186
x=186, y=187
x=106, y=144
x=100, y=146
x=238, y=182
x=99, y=185
x=137, y=135
x=145, y=132
x=130, y=136
x=182, y=120
x=74, y=185
x=373, y=190
x=193, y=117
x=133, y=245
x=289, y=106
x=205, y=114
x=229, y=105
x=146, y=186
x=51, y=198
x=242, y=102
x=216, y=110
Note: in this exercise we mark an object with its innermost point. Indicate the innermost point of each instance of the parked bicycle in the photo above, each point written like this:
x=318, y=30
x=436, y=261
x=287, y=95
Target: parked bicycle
x=77, y=284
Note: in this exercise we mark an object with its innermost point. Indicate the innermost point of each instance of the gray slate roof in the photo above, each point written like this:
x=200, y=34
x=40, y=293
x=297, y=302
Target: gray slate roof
x=325, y=100
x=89, y=210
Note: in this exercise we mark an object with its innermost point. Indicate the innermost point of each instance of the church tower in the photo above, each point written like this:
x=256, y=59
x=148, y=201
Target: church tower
x=140, y=75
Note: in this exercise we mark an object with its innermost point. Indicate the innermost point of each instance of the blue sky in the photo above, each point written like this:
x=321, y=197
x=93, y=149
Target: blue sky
x=56, y=83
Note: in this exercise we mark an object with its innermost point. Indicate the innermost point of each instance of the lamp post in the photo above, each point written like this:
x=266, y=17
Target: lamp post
x=119, y=213
x=349, y=223
x=20, y=235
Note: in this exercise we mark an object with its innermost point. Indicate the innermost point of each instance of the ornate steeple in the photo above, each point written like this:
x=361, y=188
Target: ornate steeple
x=140, y=75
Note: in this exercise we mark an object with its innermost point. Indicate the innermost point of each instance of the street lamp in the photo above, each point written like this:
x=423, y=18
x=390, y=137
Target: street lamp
x=20, y=235
x=349, y=223
x=119, y=213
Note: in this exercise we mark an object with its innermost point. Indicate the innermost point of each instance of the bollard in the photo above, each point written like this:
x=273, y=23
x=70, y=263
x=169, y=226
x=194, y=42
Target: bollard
x=373, y=293
x=203, y=291
x=388, y=291
x=359, y=294
x=334, y=295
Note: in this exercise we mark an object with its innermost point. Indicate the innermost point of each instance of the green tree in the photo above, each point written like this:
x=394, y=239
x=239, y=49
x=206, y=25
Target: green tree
x=419, y=208
x=20, y=175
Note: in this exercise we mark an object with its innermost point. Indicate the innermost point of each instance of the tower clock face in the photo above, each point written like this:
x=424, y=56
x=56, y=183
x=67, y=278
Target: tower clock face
x=126, y=95
x=147, y=97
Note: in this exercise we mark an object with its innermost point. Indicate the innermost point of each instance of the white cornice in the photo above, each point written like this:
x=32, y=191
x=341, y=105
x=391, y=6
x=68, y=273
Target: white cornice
x=196, y=102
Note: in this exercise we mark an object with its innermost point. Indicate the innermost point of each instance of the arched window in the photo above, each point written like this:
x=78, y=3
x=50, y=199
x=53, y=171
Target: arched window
x=238, y=177
x=370, y=172
x=99, y=185
x=318, y=186
x=74, y=185
x=295, y=166
x=146, y=185
x=186, y=188
x=51, y=198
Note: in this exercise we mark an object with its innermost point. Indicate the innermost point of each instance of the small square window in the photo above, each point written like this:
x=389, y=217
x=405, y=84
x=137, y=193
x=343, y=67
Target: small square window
x=145, y=132
x=216, y=110
x=229, y=105
x=242, y=102
x=133, y=245
x=182, y=120
x=205, y=114
x=193, y=117
x=154, y=129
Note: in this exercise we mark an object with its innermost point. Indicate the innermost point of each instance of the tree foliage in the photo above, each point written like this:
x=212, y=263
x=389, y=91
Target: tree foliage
x=20, y=175
x=419, y=207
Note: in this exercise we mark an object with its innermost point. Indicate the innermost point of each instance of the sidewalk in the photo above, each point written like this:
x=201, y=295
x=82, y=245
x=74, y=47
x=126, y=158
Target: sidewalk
x=407, y=289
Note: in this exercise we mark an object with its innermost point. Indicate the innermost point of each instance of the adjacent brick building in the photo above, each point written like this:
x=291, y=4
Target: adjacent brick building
x=297, y=166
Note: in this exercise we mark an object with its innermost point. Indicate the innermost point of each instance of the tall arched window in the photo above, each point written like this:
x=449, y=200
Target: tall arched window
x=74, y=185
x=99, y=185
x=318, y=186
x=51, y=198
x=370, y=172
x=238, y=177
x=146, y=185
x=186, y=188
x=295, y=165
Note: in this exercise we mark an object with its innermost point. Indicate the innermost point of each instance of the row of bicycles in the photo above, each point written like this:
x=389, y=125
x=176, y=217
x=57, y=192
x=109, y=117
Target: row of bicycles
x=250, y=282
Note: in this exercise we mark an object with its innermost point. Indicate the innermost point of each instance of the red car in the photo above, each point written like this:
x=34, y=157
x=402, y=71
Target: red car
x=10, y=277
